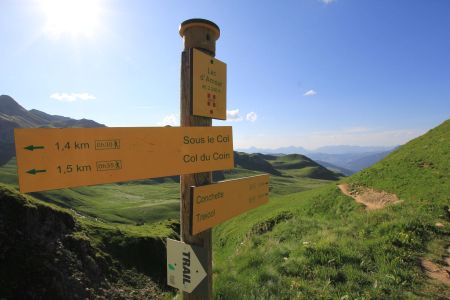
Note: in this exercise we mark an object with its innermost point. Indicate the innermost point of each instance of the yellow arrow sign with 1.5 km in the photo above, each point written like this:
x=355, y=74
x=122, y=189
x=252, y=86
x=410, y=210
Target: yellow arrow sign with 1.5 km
x=215, y=203
x=49, y=158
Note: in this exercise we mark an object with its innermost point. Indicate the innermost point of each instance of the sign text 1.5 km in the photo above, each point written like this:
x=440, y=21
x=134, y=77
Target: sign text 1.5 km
x=49, y=158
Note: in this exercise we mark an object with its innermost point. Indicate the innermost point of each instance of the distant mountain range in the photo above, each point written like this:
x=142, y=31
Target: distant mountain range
x=353, y=162
x=341, y=158
x=334, y=149
x=13, y=115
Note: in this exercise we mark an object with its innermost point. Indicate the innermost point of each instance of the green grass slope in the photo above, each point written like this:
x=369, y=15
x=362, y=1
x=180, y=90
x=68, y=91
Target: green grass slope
x=155, y=200
x=300, y=165
x=321, y=244
x=418, y=171
x=47, y=252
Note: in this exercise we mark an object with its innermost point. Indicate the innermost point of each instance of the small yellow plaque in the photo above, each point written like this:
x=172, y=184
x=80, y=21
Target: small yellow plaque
x=209, y=86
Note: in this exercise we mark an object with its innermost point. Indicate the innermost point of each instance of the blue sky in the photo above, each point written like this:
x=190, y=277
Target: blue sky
x=305, y=73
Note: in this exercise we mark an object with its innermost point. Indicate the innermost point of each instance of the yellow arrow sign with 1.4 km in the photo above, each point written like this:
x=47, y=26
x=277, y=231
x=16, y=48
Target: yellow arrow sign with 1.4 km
x=49, y=158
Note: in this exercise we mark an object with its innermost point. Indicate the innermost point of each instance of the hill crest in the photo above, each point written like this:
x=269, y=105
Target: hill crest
x=13, y=115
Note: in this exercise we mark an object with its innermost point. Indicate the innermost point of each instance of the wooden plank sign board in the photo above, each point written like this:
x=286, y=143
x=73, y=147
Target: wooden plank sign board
x=215, y=203
x=209, y=86
x=49, y=158
x=184, y=268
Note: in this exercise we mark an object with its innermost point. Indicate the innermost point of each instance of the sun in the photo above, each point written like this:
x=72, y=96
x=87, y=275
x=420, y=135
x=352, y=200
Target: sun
x=77, y=18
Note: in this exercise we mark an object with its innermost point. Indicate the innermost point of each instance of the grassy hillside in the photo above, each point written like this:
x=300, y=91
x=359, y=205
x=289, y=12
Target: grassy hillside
x=416, y=171
x=123, y=224
x=303, y=166
x=320, y=244
x=116, y=237
x=52, y=253
x=156, y=200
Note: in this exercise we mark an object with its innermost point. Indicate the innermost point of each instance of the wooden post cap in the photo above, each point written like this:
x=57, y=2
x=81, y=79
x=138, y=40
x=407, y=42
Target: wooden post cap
x=199, y=23
x=201, y=34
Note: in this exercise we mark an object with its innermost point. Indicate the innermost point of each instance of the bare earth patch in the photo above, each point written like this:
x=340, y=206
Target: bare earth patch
x=371, y=198
x=436, y=271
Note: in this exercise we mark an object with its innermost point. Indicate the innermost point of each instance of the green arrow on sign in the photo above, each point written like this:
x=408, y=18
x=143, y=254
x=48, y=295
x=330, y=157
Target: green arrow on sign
x=34, y=171
x=32, y=148
x=171, y=267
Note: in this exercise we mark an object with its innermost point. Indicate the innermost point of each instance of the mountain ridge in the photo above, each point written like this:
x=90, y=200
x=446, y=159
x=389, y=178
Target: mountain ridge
x=356, y=159
x=13, y=115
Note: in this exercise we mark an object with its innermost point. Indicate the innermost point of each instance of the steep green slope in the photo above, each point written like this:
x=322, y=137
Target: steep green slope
x=51, y=253
x=320, y=244
x=416, y=171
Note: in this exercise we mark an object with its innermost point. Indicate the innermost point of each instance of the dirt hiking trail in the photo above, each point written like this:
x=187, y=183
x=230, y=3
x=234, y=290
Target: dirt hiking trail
x=371, y=198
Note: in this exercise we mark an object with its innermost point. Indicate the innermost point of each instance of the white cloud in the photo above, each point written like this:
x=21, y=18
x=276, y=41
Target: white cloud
x=251, y=116
x=326, y=2
x=72, y=97
x=233, y=115
x=171, y=120
x=310, y=93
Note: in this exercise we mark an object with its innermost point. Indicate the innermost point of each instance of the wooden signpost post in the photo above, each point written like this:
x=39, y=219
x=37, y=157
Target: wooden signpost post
x=203, y=98
x=202, y=35
x=70, y=157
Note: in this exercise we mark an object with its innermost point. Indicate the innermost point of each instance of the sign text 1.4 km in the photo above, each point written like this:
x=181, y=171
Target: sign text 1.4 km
x=49, y=158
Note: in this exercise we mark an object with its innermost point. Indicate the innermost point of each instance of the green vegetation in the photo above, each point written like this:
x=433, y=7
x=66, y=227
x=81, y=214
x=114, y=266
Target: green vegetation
x=309, y=242
x=418, y=171
x=320, y=244
x=126, y=224
x=48, y=252
x=154, y=200
x=8, y=173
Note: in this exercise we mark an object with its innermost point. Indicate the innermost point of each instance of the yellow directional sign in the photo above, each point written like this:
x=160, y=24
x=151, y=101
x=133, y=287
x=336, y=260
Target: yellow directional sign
x=49, y=158
x=215, y=203
x=209, y=86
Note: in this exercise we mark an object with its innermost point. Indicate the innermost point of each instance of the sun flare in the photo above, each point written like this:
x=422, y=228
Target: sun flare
x=78, y=18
